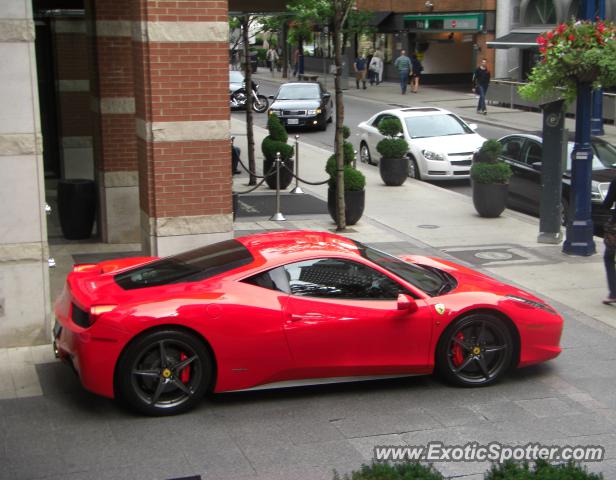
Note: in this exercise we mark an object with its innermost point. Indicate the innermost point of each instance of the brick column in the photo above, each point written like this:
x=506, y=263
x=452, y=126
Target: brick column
x=73, y=97
x=24, y=277
x=113, y=107
x=182, y=112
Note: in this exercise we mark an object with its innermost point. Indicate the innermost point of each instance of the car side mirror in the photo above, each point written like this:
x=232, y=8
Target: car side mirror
x=327, y=95
x=271, y=97
x=473, y=126
x=407, y=303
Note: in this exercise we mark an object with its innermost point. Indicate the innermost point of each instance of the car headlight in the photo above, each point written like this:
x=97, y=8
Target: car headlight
x=272, y=112
x=314, y=112
x=430, y=155
x=532, y=303
x=598, y=191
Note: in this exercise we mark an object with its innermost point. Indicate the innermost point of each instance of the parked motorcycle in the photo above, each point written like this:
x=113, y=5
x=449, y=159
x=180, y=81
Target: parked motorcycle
x=238, y=99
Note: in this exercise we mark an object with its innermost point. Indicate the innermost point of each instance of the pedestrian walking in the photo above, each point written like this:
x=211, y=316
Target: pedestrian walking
x=368, y=71
x=272, y=59
x=403, y=64
x=381, y=65
x=375, y=67
x=609, y=257
x=416, y=69
x=481, y=82
x=360, y=66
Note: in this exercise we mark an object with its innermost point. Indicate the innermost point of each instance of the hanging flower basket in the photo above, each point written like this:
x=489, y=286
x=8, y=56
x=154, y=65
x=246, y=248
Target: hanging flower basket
x=573, y=53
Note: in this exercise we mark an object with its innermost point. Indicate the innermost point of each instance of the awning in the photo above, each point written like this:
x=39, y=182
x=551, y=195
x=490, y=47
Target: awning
x=377, y=18
x=524, y=40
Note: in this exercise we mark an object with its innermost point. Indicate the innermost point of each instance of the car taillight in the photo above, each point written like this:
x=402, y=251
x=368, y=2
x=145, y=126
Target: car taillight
x=97, y=310
x=85, y=267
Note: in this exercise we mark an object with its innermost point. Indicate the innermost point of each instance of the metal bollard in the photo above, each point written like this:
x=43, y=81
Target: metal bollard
x=278, y=216
x=354, y=158
x=297, y=188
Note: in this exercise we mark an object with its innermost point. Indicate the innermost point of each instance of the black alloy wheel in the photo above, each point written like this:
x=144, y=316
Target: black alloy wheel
x=164, y=373
x=475, y=351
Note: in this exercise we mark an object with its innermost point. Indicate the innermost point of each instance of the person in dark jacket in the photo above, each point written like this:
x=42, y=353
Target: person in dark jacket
x=481, y=82
x=416, y=69
x=609, y=256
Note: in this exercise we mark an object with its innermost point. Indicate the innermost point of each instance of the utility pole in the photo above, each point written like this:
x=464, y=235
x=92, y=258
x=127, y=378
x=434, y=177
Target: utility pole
x=580, y=229
x=596, y=122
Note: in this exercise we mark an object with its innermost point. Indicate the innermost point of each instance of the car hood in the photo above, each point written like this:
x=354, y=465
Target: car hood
x=233, y=86
x=295, y=104
x=450, y=144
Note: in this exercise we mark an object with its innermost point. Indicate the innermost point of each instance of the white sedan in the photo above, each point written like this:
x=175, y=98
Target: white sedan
x=441, y=144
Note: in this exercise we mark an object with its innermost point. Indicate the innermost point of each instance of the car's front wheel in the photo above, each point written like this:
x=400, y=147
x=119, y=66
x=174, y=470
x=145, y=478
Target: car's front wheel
x=164, y=372
x=414, y=168
x=475, y=351
x=364, y=154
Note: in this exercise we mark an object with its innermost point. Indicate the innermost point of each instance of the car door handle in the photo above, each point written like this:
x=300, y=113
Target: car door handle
x=294, y=317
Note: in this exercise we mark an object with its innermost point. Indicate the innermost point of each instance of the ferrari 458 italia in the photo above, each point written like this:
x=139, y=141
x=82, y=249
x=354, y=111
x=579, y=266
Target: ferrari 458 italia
x=289, y=308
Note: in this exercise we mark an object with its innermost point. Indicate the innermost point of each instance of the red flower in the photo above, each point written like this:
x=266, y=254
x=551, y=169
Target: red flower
x=571, y=37
x=541, y=40
x=550, y=35
x=600, y=27
x=561, y=28
x=542, y=50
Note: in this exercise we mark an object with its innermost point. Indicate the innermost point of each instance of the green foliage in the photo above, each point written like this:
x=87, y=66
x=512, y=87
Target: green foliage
x=541, y=471
x=276, y=129
x=575, y=51
x=498, y=172
x=354, y=180
x=489, y=152
x=276, y=141
x=398, y=471
x=392, y=147
x=346, y=132
x=390, y=127
x=261, y=53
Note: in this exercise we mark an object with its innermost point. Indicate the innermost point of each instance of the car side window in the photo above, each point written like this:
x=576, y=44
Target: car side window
x=512, y=149
x=275, y=279
x=533, y=153
x=377, y=120
x=343, y=279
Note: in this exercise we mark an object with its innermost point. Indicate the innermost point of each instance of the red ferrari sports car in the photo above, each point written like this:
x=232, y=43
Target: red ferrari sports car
x=289, y=308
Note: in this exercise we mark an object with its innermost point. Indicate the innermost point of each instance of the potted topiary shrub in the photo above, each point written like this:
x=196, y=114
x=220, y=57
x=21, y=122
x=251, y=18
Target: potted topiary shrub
x=490, y=180
x=354, y=185
x=394, y=163
x=275, y=142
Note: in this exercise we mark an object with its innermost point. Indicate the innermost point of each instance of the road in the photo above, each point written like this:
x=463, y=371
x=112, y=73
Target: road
x=357, y=110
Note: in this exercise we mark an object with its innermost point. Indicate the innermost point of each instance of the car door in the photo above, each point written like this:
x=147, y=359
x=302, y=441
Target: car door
x=529, y=178
x=512, y=154
x=373, y=136
x=341, y=319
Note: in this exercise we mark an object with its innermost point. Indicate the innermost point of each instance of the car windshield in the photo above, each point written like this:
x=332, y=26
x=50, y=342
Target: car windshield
x=436, y=126
x=430, y=280
x=298, y=92
x=191, y=266
x=604, y=155
x=236, y=76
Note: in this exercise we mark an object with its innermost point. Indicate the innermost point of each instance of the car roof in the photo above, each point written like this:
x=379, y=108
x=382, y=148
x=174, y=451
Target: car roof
x=291, y=244
x=415, y=111
x=300, y=83
x=538, y=136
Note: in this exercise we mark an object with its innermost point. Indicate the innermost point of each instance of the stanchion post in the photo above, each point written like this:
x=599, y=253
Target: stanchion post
x=354, y=158
x=297, y=188
x=278, y=216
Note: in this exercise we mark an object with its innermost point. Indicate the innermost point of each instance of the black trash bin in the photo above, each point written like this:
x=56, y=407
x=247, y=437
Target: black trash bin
x=76, y=207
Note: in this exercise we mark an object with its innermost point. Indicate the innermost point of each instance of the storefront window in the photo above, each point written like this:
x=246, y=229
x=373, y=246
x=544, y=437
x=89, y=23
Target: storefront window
x=540, y=12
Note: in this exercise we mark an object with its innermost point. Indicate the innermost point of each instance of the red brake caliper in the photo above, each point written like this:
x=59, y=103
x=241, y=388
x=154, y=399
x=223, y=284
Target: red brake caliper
x=456, y=350
x=185, y=375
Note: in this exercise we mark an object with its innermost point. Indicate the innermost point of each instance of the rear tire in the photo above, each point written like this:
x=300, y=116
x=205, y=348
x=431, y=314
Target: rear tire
x=164, y=372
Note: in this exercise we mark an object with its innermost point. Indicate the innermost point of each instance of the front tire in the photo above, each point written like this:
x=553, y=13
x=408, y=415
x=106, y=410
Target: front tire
x=414, y=168
x=260, y=103
x=164, y=372
x=475, y=351
x=364, y=154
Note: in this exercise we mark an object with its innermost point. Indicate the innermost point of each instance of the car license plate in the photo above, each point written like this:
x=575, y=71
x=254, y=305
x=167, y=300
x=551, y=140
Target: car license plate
x=292, y=121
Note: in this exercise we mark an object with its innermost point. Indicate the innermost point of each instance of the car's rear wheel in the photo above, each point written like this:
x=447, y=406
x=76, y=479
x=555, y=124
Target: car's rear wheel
x=164, y=372
x=414, y=168
x=364, y=154
x=475, y=351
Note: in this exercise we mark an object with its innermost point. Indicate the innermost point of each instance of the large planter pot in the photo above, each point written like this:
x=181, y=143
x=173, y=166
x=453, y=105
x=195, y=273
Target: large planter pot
x=394, y=171
x=490, y=199
x=76, y=208
x=286, y=174
x=354, y=203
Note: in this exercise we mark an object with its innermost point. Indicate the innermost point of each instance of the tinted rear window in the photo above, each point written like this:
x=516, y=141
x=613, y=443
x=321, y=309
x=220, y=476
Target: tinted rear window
x=191, y=266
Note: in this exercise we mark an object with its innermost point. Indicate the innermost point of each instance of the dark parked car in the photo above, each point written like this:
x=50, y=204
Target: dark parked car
x=523, y=153
x=303, y=104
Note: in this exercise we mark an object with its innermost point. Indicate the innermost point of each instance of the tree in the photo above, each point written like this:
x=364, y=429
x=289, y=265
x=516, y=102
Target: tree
x=309, y=12
x=248, y=86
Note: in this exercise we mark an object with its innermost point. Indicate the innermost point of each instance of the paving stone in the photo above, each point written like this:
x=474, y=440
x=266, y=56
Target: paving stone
x=546, y=407
x=507, y=410
x=453, y=416
x=381, y=424
x=365, y=445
